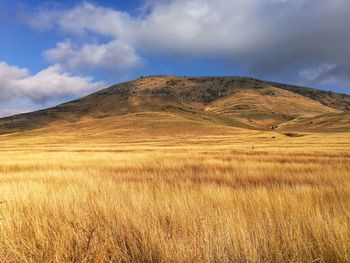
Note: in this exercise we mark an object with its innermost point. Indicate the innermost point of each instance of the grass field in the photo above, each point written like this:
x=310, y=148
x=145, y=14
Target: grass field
x=232, y=196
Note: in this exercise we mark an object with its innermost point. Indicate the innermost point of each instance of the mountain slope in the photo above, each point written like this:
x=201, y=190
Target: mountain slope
x=230, y=101
x=325, y=122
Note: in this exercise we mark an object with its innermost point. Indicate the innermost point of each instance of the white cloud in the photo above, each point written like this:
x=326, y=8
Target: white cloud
x=50, y=84
x=114, y=55
x=263, y=37
x=44, y=19
x=8, y=77
x=87, y=18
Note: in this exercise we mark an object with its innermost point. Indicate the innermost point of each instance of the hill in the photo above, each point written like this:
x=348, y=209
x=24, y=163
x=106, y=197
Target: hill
x=228, y=101
x=170, y=169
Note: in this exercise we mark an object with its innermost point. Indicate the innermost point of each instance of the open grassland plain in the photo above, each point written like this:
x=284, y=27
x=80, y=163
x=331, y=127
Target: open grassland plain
x=229, y=196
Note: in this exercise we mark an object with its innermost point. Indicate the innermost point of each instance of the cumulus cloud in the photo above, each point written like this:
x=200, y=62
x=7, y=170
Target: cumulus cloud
x=50, y=84
x=262, y=37
x=8, y=77
x=114, y=55
x=83, y=19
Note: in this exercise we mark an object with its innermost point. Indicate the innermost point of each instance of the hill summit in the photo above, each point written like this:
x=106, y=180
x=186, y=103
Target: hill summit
x=232, y=101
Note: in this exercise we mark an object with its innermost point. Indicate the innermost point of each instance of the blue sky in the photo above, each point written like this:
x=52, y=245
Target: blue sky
x=54, y=51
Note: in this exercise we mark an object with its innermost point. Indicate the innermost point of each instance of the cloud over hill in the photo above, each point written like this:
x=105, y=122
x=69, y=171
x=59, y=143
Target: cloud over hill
x=47, y=85
x=262, y=36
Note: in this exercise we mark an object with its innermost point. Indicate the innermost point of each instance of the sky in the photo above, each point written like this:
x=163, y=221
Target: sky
x=55, y=51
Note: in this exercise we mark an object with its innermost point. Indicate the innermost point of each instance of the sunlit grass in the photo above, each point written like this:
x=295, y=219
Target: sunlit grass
x=221, y=198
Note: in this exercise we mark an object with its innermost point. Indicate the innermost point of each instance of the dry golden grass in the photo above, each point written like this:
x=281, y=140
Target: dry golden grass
x=239, y=197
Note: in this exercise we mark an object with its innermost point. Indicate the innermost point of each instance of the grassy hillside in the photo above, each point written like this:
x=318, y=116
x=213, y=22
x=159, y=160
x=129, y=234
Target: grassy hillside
x=331, y=122
x=244, y=102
